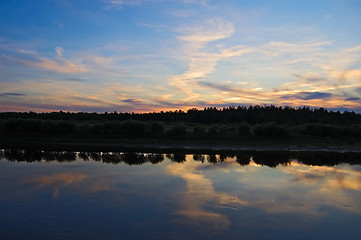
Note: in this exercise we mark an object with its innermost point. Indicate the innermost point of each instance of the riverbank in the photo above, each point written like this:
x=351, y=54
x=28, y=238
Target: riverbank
x=165, y=146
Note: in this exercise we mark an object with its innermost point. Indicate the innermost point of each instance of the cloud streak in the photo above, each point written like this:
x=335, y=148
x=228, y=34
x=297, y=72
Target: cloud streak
x=59, y=64
x=8, y=94
x=202, y=63
x=210, y=30
x=120, y=4
x=63, y=66
x=308, y=95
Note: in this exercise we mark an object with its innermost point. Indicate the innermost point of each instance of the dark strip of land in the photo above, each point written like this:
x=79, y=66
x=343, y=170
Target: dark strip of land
x=166, y=146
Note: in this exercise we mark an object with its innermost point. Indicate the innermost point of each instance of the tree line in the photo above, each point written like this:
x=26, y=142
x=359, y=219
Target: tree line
x=210, y=123
x=209, y=115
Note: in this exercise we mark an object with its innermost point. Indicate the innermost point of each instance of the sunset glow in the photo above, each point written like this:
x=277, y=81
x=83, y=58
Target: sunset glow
x=153, y=55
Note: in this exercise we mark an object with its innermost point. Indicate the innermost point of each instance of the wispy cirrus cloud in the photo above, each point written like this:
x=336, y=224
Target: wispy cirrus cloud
x=25, y=51
x=201, y=62
x=33, y=59
x=119, y=4
x=59, y=51
x=63, y=66
x=212, y=29
x=218, y=86
x=276, y=48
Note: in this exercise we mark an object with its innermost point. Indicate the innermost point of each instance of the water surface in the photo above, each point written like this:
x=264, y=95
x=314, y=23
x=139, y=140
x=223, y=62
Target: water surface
x=73, y=195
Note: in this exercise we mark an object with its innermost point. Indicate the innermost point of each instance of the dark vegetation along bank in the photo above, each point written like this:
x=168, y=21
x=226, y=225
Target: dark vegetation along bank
x=242, y=125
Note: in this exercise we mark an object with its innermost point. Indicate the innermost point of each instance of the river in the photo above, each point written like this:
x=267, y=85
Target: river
x=117, y=195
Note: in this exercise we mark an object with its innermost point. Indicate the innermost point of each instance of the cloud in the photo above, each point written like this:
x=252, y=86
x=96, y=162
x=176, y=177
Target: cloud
x=323, y=78
x=184, y=13
x=90, y=99
x=31, y=52
x=201, y=63
x=210, y=30
x=59, y=51
x=59, y=23
x=309, y=51
x=75, y=96
x=353, y=99
x=131, y=100
x=60, y=64
x=75, y=79
x=306, y=46
x=356, y=49
x=103, y=64
x=12, y=94
x=49, y=107
x=308, y=95
x=119, y=4
x=217, y=86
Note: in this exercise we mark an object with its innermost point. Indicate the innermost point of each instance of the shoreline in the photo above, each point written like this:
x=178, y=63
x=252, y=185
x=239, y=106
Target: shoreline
x=165, y=146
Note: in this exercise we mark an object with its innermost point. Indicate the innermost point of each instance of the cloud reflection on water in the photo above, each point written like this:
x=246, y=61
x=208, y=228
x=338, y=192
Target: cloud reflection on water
x=328, y=185
x=211, y=194
x=58, y=181
x=201, y=194
x=293, y=188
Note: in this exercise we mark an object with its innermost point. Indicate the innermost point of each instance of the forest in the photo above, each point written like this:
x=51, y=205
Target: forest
x=210, y=115
x=232, y=123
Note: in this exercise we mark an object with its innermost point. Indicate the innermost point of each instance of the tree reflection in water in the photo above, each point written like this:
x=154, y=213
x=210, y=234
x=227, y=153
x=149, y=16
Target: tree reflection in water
x=264, y=158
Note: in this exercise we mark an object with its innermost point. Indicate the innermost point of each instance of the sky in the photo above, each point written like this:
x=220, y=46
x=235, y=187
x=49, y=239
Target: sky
x=153, y=55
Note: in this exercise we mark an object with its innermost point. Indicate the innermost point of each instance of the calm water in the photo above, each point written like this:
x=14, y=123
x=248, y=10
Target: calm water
x=72, y=195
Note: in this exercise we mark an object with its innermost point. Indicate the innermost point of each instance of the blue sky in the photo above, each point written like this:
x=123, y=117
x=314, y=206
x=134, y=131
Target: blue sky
x=152, y=55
